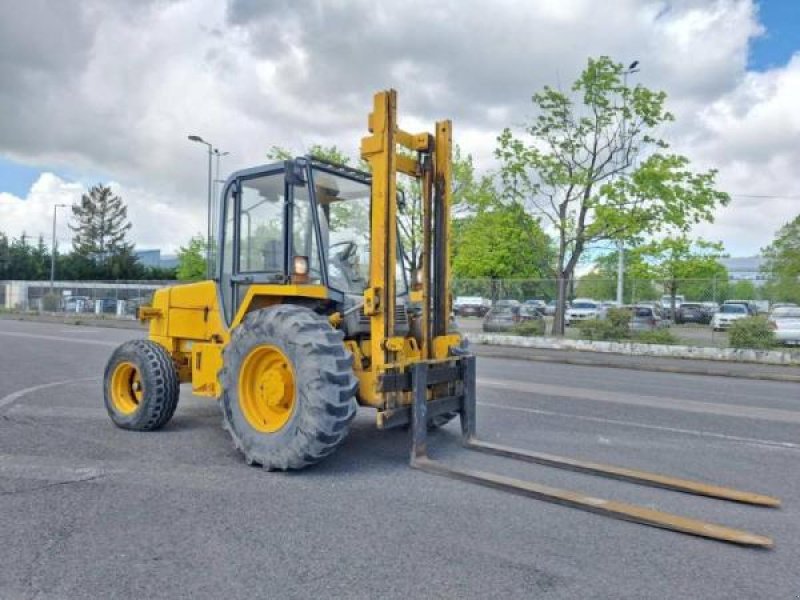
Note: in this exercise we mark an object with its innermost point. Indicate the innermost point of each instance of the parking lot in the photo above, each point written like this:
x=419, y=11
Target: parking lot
x=91, y=511
x=690, y=334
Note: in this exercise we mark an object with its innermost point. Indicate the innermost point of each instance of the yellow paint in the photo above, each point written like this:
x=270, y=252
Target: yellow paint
x=262, y=295
x=188, y=321
x=126, y=388
x=443, y=343
x=267, y=388
x=206, y=363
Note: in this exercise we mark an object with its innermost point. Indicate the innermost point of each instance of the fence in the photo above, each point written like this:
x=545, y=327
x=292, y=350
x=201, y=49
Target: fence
x=762, y=292
x=117, y=298
x=122, y=298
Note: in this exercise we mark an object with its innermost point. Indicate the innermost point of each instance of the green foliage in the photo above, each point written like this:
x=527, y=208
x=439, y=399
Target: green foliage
x=100, y=225
x=655, y=336
x=619, y=318
x=192, y=260
x=532, y=327
x=684, y=266
x=752, y=332
x=503, y=242
x=782, y=263
x=741, y=290
x=601, y=282
x=21, y=260
x=602, y=330
x=51, y=302
x=578, y=166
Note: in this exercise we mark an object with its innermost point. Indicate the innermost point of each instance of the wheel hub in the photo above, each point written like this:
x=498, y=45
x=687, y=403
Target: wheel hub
x=266, y=389
x=126, y=388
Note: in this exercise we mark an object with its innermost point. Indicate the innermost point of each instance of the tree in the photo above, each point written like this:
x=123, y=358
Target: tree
x=601, y=282
x=782, y=263
x=500, y=243
x=683, y=265
x=593, y=169
x=101, y=226
x=192, y=260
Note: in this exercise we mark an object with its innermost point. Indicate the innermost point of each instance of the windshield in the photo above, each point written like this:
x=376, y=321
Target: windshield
x=344, y=216
x=733, y=308
x=787, y=312
x=584, y=305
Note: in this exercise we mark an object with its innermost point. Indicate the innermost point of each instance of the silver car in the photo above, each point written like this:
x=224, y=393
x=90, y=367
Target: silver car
x=646, y=317
x=785, y=322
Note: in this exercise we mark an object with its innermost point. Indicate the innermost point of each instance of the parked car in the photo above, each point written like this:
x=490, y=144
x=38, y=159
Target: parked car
x=692, y=312
x=550, y=308
x=751, y=307
x=514, y=304
x=727, y=314
x=666, y=304
x=108, y=305
x=784, y=305
x=709, y=308
x=536, y=303
x=501, y=319
x=785, y=322
x=529, y=312
x=78, y=304
x=470, y=306
x=646, y=317
x=582, y=309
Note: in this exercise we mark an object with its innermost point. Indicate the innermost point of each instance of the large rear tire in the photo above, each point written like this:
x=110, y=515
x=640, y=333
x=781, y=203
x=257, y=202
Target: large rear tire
x=140, y=386
x=288, y=388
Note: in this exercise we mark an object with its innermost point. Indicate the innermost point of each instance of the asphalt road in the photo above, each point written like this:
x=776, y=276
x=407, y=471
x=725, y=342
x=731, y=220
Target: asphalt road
x=90, y=511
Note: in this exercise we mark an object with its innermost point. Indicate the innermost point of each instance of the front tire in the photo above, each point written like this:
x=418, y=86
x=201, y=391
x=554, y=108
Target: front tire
x=288, y=388
x=141, y=386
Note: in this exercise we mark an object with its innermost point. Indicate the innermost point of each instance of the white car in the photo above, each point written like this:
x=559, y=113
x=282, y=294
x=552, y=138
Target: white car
x=727, y=315
x=785, y=322
x=582, y=309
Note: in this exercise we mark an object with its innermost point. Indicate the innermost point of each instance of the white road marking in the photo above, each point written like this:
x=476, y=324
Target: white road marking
x=661, y=402
x=701, y=433
x=58, y=338
x=14, y=396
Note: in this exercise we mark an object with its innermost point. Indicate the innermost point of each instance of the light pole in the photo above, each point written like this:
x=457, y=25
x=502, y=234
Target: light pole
x=214, y=204
x=197, y=138
x=53, y=249
x=632, y=68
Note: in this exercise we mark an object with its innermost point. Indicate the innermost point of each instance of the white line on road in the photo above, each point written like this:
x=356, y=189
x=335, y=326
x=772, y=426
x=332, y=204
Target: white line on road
x=58, y=338
x=661, y=402
x=14, y=396
x=710, y=434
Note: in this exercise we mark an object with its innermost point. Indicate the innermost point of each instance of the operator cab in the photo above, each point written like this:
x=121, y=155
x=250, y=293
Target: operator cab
x=303, y=222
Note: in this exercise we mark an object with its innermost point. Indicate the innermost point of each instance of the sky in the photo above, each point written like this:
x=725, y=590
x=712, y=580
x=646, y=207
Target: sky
x=108, y=91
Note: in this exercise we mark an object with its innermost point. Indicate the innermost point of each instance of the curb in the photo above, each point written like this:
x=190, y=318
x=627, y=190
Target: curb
x=77, y=320
x=522, y=353
x=730, y=355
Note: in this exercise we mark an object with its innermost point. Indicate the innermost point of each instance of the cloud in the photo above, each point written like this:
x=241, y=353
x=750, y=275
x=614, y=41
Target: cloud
x=157, y=222
x=114, y=87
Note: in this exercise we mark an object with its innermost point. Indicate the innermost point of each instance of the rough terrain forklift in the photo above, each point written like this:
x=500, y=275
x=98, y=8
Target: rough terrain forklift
x=312, y=312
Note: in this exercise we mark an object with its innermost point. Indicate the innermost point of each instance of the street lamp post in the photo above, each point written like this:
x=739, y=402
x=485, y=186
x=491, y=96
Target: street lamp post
x=632, y=68
x=214, y=205
x=53, y=249
x=197, y=138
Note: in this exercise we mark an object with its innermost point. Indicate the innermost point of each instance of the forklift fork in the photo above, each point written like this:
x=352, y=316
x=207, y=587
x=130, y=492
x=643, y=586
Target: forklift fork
x=466, y=404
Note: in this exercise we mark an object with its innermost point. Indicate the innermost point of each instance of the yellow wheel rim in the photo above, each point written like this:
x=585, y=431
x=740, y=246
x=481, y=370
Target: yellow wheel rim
x=126, y=388
x=266, y=389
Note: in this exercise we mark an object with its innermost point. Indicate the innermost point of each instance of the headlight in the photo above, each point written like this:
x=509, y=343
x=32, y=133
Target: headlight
x=300, y=266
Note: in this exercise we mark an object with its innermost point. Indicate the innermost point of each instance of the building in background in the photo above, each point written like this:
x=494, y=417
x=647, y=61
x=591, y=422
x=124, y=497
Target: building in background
x=745, y=268
x=153, y=258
